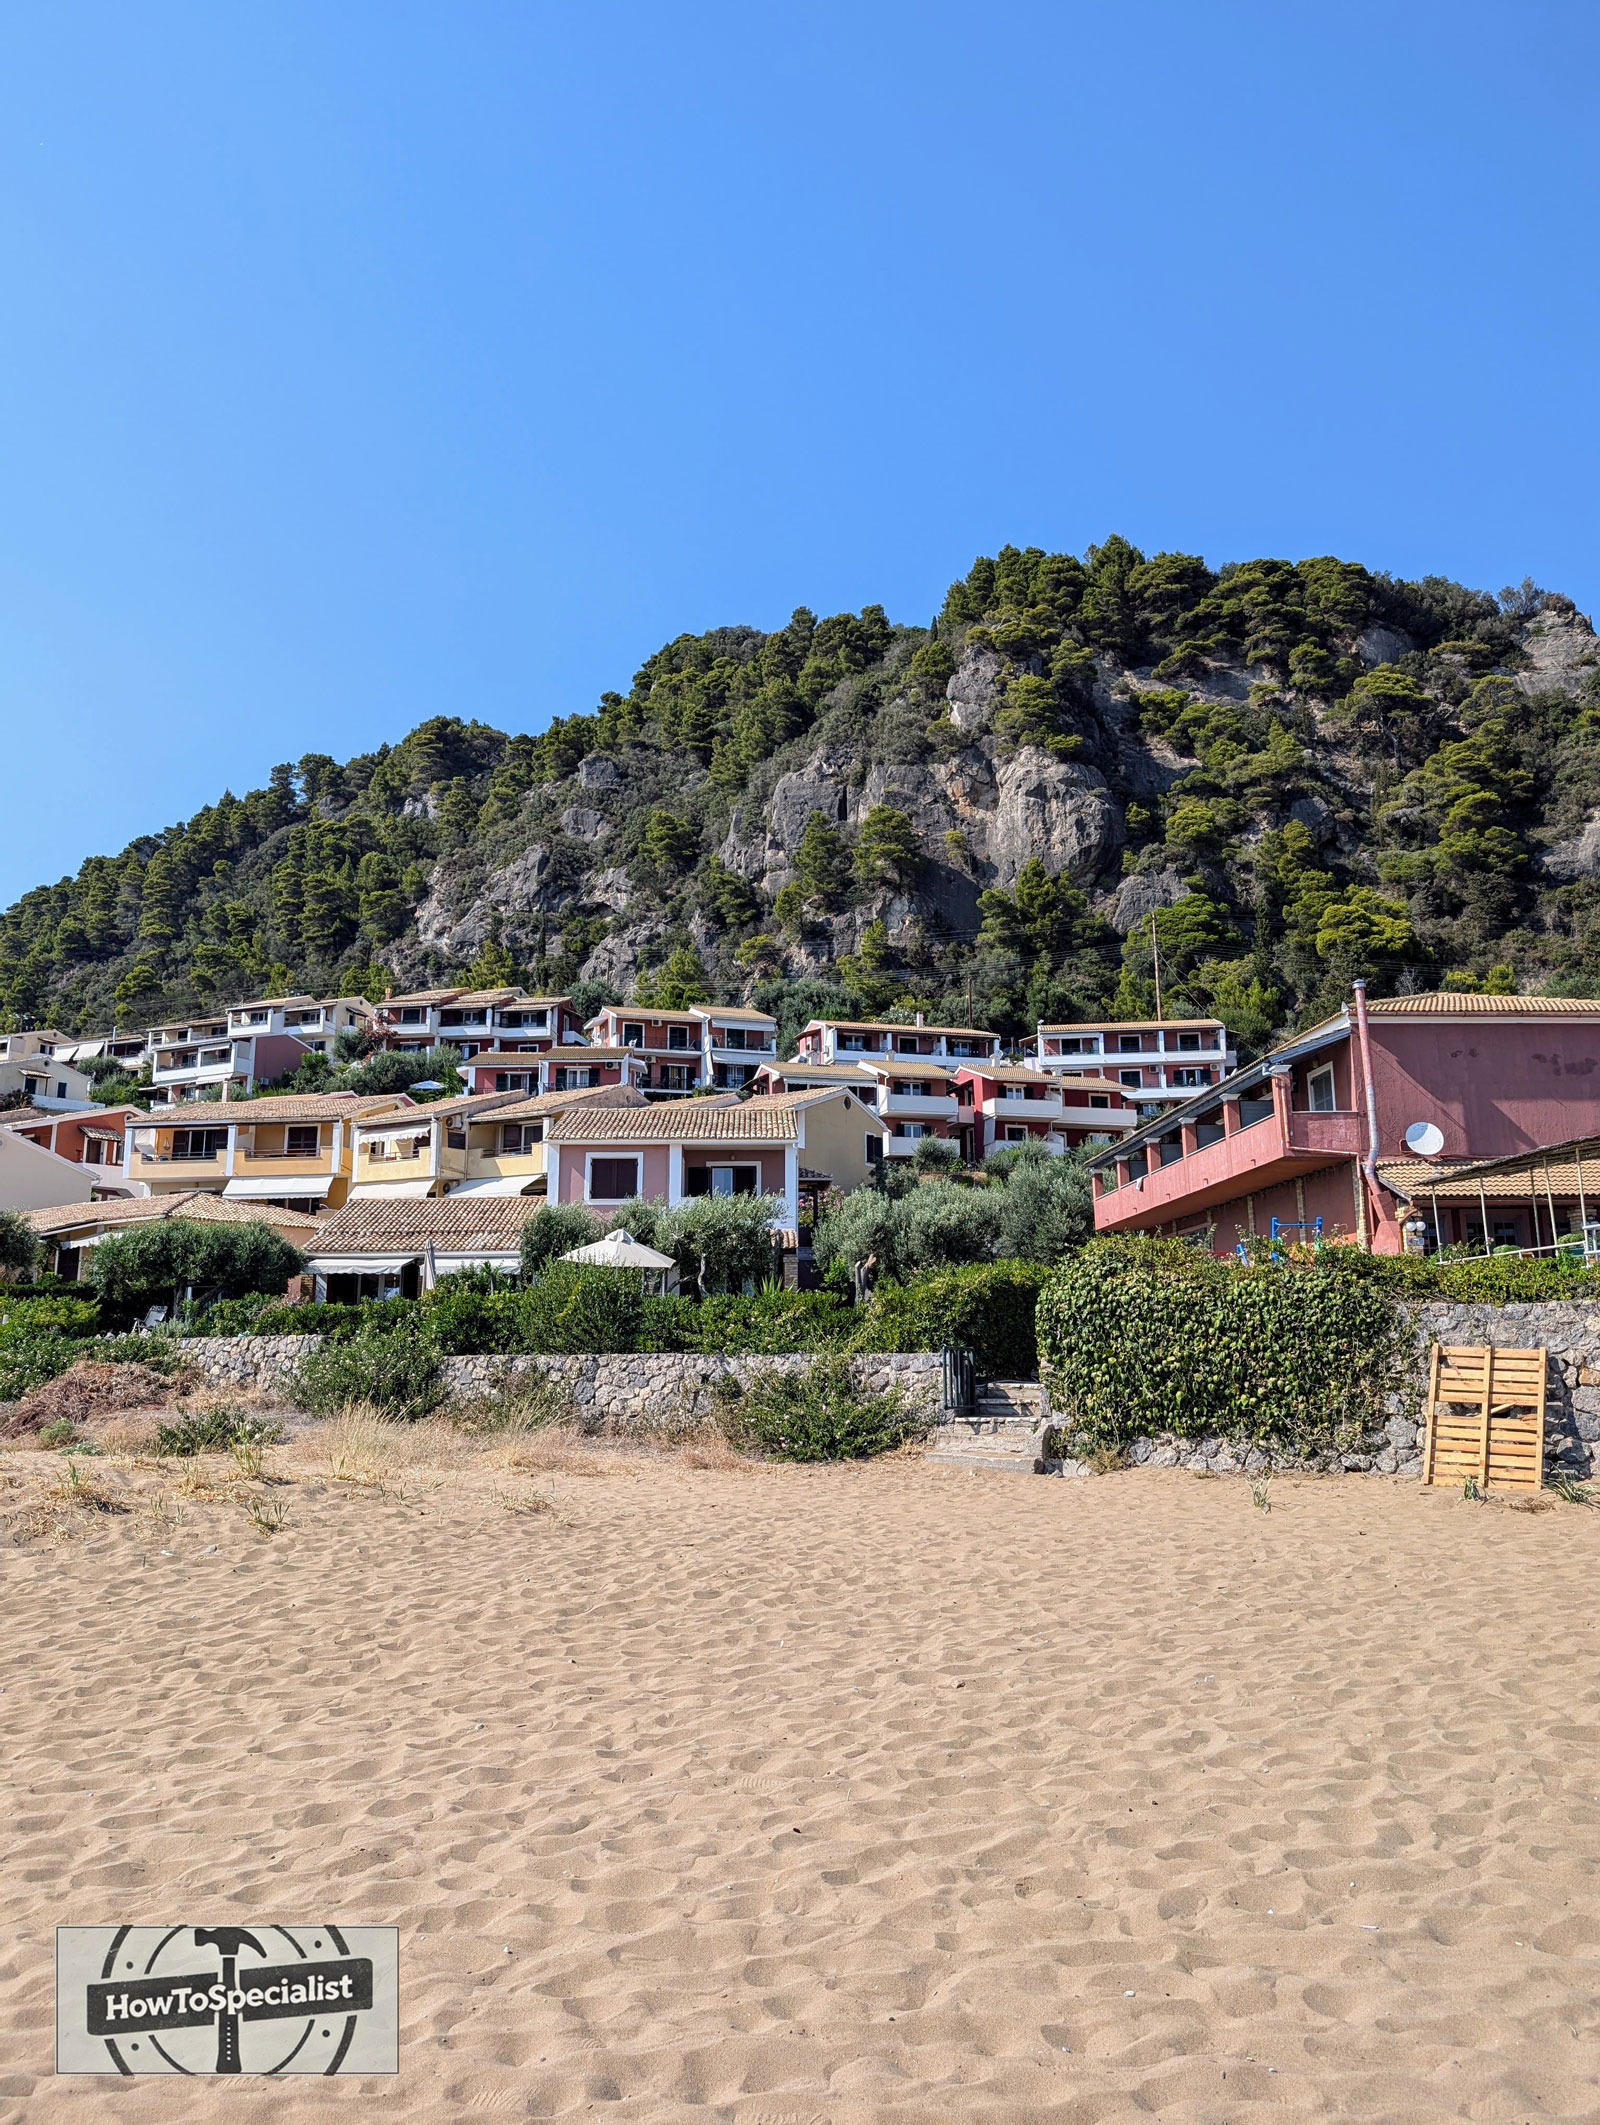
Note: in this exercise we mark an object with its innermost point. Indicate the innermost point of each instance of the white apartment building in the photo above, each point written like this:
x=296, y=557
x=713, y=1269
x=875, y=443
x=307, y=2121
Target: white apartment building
x=1158, y=1061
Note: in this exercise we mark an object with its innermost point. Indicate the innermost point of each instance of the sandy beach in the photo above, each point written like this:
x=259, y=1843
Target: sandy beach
x=770, y=1795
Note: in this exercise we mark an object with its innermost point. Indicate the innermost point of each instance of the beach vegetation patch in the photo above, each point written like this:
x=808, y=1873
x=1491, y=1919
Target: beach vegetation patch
x=396, y=1370
x=818, y=1415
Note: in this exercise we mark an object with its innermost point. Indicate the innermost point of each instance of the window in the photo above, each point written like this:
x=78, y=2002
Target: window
x=1188, y=1043
x=576, y=1080
x=1131, y=1077
x=733, y=1037
x=962, y=1047
x=30, y=1085
x=912, y=1130
x=914, y=1087
x=511, y=1081
x=874, y=1148
x=731, y=1076
x=302, y=1142
x=964, y=1092
x=856, y=1042
x=518, y=1137
x=632, y=1034
x=677, y=1036
x=1319, y=1087
x=1189, y=1077
x=61, y=1089
x=908, y=1044
x=410, y=1017
x=722, y=1180
x=198, y=1143
x=675, y=1077
x=1086, y=1046
x=1128, y=1043
x=613, y=1180
x=1016, y=1133
x=1099, y=1099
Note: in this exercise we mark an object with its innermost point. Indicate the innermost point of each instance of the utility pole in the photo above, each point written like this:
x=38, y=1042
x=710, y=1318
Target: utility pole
x=1155, y=954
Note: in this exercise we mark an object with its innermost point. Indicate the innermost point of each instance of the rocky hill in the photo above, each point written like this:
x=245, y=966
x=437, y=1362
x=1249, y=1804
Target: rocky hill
x=1273, y=775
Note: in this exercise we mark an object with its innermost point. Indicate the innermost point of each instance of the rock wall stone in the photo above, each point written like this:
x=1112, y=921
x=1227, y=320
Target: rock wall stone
x=616, y=1393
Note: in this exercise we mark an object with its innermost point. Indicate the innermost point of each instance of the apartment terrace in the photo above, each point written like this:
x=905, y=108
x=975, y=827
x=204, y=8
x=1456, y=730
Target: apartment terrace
x=1218, y=1147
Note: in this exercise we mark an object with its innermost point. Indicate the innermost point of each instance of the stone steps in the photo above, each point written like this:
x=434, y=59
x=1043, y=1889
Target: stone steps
x=1004, y=1432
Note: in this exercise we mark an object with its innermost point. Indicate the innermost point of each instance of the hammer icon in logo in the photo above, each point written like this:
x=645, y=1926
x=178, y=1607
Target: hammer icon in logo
x=227, y=1940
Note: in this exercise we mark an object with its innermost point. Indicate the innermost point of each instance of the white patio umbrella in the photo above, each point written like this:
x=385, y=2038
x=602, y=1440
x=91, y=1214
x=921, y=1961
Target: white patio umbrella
x=620, y=1250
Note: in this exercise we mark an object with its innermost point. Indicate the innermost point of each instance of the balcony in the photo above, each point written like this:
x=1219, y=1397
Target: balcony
x=1074, y=1115
x=919, y=1107
x=209, y=1070
x=753, y=1051
x=906, y=1146
x=1277, y=1146
x=1013, y=1107
x=283, y=1165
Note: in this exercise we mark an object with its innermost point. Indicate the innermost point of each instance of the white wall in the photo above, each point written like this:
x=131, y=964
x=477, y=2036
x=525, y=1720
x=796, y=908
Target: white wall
x=32, y=1178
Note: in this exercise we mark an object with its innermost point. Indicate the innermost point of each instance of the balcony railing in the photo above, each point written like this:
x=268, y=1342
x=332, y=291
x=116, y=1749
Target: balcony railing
x=917, y=1106
x=300, y=1162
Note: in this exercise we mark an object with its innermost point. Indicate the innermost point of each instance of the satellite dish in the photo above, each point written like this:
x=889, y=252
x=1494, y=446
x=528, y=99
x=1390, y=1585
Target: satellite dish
x=1426, y=1139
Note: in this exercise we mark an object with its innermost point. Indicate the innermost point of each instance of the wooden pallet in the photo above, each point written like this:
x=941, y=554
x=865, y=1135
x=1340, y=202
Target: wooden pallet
x=1485, y=1417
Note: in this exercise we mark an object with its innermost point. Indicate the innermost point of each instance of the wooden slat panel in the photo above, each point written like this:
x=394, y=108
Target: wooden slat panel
x=1495, y=1431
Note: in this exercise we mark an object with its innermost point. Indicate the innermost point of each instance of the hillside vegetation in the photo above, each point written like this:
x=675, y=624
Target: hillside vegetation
x=1280, y=774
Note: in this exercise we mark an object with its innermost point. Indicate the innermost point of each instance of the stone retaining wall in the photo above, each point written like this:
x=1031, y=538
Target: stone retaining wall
x=643, y=1392
x=1571, y=1334
x=611, y=1392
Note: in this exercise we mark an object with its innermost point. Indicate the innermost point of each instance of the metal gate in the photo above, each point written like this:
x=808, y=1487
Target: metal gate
x=960, y=1378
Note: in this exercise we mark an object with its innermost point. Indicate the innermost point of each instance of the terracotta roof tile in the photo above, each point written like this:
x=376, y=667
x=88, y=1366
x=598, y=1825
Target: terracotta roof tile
x=545, y=1103
x=148, y=1209
x=897, y=1025
x=285, y=1107
x=769, y=1120
x=453, y=1223
x=1451, y=1003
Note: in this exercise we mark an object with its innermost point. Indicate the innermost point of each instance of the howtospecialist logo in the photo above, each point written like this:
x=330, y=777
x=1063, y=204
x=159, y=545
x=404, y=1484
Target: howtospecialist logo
x=227, y=1999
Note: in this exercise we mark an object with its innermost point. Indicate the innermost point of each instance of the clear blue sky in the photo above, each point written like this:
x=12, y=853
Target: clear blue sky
x=366, y=362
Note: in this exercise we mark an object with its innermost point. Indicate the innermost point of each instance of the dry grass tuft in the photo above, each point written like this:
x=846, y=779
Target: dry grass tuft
x=266, y=1515
x=523, y=1503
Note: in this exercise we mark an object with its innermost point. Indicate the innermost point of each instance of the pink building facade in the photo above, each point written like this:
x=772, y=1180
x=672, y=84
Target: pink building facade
x=1295, y=1137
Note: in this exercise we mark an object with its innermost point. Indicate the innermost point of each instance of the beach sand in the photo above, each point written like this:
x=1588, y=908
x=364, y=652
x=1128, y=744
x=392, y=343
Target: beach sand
x=828, y=1794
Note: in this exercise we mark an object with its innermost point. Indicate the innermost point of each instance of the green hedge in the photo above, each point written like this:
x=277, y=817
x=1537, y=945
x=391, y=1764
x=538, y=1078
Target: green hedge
x=1484, y=1279
x=1141, y=1336
x=989, y=1306
x=76, y=1315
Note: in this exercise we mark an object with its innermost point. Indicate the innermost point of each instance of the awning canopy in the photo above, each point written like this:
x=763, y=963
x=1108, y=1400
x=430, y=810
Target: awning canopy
x=619, y=1250
x=361, y=1264
x=298, y=1185
x=101, y=1136
x=390, y=1191
x=529, y=1184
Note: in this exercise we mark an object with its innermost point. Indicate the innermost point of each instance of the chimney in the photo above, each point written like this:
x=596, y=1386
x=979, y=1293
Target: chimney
x=919, y=1018
x=227, y=1090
